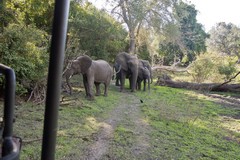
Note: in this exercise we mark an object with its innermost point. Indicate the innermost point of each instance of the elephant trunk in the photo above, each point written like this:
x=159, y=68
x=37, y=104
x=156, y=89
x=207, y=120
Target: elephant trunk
x=68, y=74
x=134, y=80
x=69, y=85
x=149, y=82
x=150, y=70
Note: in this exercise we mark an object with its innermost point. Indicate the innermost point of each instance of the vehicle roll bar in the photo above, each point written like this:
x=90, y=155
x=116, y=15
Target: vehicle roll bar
x=57, y=50
x=10, y=145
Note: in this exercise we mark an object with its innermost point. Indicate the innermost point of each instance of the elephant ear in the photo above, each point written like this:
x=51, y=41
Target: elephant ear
x=84, y=63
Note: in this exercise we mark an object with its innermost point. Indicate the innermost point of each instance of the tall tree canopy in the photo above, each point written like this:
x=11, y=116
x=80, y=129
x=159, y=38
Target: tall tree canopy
x=95, y=32
x=142, y=13
x=193, y=36
x=225, y=39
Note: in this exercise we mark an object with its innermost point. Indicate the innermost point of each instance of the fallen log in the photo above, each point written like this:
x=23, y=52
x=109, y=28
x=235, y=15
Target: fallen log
x=224, y=87
x=169, y=69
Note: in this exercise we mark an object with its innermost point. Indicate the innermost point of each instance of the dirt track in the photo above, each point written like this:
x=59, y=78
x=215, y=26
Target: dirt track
x=128, y=115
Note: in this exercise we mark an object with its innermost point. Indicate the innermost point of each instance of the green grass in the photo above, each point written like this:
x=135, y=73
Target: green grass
x=184, y=125
x=188, y=125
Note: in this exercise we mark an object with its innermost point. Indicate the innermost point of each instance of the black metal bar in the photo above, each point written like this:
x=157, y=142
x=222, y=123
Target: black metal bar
x=9, y=99
x=10, y=150
x=54, y=78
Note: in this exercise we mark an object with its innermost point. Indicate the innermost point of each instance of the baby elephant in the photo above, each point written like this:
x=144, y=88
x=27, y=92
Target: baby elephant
x=144, y=74
x=93, y=72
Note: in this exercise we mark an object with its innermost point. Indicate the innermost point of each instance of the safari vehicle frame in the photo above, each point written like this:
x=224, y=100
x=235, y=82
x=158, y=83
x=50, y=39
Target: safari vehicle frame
x=10, y=148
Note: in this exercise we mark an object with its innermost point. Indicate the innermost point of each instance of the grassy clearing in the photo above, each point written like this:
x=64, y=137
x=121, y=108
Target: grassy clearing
x=184, y=125
x=78, y=123
x=190, y=125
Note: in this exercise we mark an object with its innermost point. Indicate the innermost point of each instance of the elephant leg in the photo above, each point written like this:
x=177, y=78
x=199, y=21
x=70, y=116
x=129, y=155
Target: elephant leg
x=106, y=86
x=69, y=86
x=90, y=87
x=148, y=83
x=130, y=83
x=117, y=83
x=134, y=80
x=85, y=83
x=144, y=85
x=139, y=85
x=122, y=81
x=98, y=92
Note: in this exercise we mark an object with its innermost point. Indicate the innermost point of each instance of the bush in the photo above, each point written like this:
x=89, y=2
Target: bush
x=202, y=68
x=211, y=67
x=24, y=48
x=228, y=68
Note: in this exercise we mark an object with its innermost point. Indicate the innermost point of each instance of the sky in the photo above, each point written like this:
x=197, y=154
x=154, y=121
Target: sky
x=215, y=11
x=210, y=12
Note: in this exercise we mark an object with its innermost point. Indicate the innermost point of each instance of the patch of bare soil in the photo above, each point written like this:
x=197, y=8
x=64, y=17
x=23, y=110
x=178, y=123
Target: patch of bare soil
x=128, y=109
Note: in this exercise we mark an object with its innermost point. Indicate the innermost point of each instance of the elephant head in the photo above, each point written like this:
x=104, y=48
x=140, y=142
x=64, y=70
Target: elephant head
x=128, y=68
x=77, y=66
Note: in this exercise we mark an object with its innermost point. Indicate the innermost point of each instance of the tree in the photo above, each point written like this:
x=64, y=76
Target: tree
x=24, y=44
x=142, y=13
x=225, y=39
x=192, y=35
x=171, y=52
x=24, y=48
x=94, y=31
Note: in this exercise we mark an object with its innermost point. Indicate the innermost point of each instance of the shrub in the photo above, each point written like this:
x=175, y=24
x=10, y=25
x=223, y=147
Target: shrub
x=24, y=48
x=228, y=68
x=213, y=67
x=202, y=68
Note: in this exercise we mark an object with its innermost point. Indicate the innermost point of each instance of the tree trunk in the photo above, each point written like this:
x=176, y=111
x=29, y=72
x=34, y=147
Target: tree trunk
x=166, y=81
x=132, y=42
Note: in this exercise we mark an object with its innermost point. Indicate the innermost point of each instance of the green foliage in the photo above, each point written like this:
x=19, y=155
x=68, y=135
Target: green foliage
x=141, y=14
x=143, y=53
x=228, y=68
x=34, y=12
x=193, y=36
x=6, y=16
x=224, y=39
x=94, y=31
x=170, y=52
x=202, y=68
x=213, y=67
x=184, y=38
x=24, y=48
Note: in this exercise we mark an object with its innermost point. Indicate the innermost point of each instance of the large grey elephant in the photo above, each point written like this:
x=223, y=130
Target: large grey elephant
x=128, y=67
x=143, y=75
x=93, y=72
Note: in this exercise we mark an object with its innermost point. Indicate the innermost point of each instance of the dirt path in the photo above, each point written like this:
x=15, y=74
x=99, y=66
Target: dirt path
x=127, y=113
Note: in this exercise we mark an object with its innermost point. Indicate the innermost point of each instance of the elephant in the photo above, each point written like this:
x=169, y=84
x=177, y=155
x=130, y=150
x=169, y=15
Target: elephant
x=68, y=73
x=128, y=67
x=146, y=64
x=93, y=72
x=143, y=75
